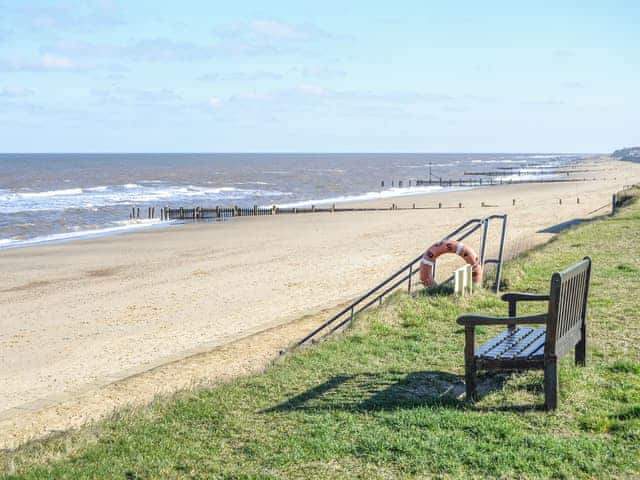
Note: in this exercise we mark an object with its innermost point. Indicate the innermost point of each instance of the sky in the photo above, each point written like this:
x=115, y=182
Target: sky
x=319, y=76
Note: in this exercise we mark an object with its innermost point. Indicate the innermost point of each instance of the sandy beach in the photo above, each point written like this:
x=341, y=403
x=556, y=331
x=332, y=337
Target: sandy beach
x=77, y=317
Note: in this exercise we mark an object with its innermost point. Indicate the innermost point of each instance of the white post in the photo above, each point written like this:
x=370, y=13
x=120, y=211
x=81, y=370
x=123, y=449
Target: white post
x=458, y=285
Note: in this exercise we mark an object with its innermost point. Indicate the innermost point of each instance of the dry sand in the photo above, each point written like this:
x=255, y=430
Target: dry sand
x=78, y=318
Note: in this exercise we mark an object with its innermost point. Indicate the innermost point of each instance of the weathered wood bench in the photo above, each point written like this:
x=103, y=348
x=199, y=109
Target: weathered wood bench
x=521, y=347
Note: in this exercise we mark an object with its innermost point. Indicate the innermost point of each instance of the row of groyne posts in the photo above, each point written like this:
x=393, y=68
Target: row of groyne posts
x=492, y=178
x=221, y=213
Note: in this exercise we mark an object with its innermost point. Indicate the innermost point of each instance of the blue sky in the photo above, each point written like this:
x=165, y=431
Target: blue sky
x=149, y=76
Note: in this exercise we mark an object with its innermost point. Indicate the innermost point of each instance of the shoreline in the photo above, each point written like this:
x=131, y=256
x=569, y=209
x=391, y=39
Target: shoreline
x=83, y=314
x=388, y=194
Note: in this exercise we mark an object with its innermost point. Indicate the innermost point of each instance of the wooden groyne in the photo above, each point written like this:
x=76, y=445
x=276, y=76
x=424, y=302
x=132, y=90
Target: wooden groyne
x=221, y=213
x=479, y=182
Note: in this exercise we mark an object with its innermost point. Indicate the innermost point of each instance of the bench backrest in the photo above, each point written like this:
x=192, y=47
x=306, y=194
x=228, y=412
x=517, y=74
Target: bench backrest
x=567, y=308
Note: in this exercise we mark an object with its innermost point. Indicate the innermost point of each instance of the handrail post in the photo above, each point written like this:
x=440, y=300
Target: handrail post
x=483, y=244
x=503, y=236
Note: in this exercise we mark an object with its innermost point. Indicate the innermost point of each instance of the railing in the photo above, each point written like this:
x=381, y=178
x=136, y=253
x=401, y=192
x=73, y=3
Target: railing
x=406, y=274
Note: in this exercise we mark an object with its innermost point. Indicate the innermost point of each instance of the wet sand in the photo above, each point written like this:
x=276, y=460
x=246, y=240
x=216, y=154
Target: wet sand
x=77, y=317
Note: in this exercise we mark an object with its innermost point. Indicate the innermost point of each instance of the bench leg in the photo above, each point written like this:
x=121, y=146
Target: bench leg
x=470, y=374
x=551, y=385
x=471, y=382
x=581, y=347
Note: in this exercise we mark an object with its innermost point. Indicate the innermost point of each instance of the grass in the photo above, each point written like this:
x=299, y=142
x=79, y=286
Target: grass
x=383, y=400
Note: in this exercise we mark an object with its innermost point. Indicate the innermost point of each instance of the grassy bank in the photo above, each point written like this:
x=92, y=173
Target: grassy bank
x=385, y=400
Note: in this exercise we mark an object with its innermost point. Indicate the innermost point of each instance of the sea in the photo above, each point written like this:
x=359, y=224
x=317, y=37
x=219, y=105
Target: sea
x=63, y=197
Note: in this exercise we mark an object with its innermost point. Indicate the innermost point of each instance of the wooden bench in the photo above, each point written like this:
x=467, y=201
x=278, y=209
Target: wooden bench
x=521, y=347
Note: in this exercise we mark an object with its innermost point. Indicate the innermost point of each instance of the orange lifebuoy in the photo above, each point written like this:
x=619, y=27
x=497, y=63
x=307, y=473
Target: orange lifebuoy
x=448, y=246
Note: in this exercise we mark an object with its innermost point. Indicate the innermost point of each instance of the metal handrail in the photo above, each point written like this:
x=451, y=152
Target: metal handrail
x=355, y=307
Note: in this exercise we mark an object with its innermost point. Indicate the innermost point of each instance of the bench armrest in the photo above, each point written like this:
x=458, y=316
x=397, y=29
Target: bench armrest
x=471, y=319
x=524, y=297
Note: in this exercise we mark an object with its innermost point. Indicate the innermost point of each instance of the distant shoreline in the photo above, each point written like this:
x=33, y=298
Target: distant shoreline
x=389, y=194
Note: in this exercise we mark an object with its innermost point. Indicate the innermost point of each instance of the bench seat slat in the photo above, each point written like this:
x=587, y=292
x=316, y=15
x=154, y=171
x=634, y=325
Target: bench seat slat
x=512, y=337
x=518, y=343
x=536, y=347
x=490, y=344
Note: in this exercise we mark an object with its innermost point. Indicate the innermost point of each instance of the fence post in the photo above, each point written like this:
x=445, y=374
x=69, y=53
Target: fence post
x=614, y=201
x=410, y=275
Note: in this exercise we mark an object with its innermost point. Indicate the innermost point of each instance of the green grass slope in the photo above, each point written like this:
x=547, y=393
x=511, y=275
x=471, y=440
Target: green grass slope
x=385, y=400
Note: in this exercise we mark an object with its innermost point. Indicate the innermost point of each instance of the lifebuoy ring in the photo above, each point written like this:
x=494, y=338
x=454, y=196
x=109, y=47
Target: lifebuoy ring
x=448, y=246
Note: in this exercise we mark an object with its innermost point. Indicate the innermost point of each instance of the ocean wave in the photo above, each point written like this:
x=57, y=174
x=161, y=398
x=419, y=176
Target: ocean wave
x=128, y=194
x=117, y=227
x=51, y=193
x=376, y=195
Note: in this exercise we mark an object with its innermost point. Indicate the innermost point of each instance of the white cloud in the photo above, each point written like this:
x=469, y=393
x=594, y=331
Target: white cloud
x=77, y=16
x=56, y=62
x=283, y=30
x=321, y=71
x=15, y=92
x=214, y=102
x=45, y=63
x=312, y=90
x=138, y=97
x=239, y=76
